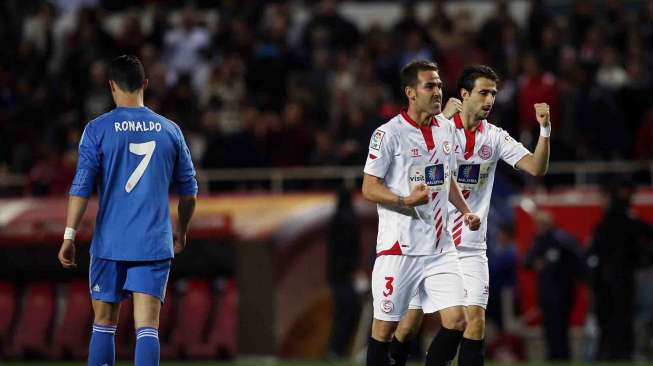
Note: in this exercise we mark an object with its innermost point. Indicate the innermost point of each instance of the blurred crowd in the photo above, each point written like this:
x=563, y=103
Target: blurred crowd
x=252, y=84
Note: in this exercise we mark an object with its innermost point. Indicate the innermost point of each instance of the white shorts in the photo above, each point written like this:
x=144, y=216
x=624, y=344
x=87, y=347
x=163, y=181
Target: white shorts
x=476, y=278
x=396, y=279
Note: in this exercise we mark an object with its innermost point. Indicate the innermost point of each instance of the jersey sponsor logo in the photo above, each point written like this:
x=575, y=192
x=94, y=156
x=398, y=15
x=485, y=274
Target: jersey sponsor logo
x=387, y=306
x=485, y=152
x=137, y=126
x=468, y=173
x=446, y=147
x=417, y=177
x=377, y=139
x=434, y=174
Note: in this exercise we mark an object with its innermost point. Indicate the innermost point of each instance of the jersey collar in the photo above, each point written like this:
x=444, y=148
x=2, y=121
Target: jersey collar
x=404, y=114
x=459, y=123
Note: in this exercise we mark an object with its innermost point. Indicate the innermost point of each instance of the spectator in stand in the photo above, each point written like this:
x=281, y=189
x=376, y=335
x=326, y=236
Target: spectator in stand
x=184, y=43
x=556, y=259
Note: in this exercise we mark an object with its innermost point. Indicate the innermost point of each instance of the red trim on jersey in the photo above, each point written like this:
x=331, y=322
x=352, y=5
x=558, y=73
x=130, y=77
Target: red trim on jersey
x=395, y=250
x=372, y=156
x=456, y=241
x=466, y=193
x=470, y=136
x=427, y=133
x=459, y=123
x=457, y=226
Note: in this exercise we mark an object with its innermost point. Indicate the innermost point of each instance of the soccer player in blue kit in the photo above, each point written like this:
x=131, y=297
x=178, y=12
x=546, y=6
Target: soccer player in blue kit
x=132, y=155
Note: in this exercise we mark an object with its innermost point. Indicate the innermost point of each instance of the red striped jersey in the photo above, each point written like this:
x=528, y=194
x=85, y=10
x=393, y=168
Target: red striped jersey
x=404, y=155
x=477, y=154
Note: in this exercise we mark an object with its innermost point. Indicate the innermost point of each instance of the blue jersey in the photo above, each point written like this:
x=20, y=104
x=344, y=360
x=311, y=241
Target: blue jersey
x=133, y=155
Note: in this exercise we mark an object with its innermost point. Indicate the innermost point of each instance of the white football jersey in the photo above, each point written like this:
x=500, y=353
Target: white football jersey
x=404, y=154
x=477, y=154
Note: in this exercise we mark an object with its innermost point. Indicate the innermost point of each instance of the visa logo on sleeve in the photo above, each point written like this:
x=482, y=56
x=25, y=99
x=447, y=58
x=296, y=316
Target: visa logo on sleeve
x=434, y=175
x=468, y=173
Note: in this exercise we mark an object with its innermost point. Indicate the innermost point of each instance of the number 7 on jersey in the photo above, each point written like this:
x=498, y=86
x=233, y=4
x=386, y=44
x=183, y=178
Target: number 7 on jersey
x=147, y=149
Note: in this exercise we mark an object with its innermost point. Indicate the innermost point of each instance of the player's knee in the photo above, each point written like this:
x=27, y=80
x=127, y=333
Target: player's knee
x=459, y=324
x=105, y=313
x=455, y=322
x=146, y=319
x=476, y=324
x=105, y=318
x=405, y=331
x=383, y=330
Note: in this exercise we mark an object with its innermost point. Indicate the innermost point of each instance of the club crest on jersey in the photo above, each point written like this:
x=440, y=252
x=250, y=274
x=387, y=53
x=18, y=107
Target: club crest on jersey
x=434, y=175
x=387, y=306
x=377, y=139
x=446, y=147
x=485, y=152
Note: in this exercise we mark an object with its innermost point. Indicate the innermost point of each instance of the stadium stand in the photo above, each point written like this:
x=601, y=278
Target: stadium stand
x=35, y=321
x=70, y=340
x=7, y=312
x=222, y=336
x=192, y=319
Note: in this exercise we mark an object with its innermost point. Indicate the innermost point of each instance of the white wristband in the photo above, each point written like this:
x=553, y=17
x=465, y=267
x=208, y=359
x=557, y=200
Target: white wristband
x=69, y=233
x=545, y=131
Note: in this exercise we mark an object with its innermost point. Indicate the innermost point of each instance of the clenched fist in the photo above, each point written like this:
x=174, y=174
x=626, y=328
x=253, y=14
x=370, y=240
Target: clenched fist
x=453, y=106
x=542, y=114
x=472, y=220
x=418, y=196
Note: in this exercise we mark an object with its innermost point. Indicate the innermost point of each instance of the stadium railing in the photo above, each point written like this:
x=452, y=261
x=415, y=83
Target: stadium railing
x=278, y=180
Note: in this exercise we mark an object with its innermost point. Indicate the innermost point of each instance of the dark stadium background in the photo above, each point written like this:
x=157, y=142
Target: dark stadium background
x=278, y=100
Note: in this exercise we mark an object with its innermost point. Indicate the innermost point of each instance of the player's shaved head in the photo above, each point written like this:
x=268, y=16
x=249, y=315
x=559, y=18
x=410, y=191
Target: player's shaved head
x=471, y=73
x=409, y=72
x=127, y=71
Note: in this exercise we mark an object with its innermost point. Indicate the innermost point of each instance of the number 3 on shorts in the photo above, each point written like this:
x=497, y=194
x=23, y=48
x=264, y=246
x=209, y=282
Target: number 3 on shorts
x=388, y=286
x=147, y=149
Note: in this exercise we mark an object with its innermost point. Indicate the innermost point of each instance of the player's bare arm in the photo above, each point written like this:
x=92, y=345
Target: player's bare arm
x=472, y=220
x=185, y=210
x=75, y=212
x=453, y=106
x=375, y=190
x=537, y=164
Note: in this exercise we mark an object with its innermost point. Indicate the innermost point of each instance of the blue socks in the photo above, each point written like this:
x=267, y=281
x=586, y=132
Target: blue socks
x=102, y=350
x=147, y=347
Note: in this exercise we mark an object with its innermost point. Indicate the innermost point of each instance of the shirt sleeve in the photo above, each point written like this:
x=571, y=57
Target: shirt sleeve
x=184, y=173
x=510, y=150
x=88, y=164
x=380, y=153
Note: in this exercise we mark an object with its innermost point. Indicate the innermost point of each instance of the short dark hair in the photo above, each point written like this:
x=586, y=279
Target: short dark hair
x=471, y=73
x=409, y=72
x=127, y=71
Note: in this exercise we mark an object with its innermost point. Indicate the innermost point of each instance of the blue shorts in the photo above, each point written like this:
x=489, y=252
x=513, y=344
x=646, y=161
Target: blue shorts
x=113, y=281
